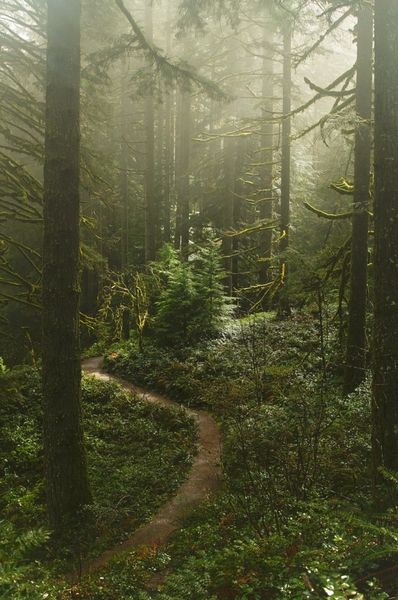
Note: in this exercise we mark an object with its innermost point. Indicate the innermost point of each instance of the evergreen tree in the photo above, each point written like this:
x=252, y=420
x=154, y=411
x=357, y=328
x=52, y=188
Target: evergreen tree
x=385, y=376
x=267, y=143
x=284, y=304
x=356, y=340
x=192, y=304
x=175, y=306
x=65, y=461
x=212, y=307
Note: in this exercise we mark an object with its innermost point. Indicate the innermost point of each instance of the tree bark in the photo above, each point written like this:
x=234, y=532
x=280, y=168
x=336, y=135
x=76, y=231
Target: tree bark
x=228, y=210
x=385, y=375
x=356, y=339
x=284, y=304
x=169, y=143
x=151, y=215
x=267, y=142
x=65, y=460
x=124, y=165
x=239, y=193
x=168, y=167
x=183, y=162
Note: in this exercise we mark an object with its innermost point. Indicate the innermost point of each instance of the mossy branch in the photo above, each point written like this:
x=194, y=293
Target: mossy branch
x=326, y=92
x=324, y=215
x=343, y=187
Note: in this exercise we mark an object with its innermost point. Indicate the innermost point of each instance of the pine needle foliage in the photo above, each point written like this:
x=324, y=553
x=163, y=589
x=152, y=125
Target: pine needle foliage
x=192, y=304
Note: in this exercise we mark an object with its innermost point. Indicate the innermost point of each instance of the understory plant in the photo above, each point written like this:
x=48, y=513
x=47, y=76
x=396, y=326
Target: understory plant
x=295, y=518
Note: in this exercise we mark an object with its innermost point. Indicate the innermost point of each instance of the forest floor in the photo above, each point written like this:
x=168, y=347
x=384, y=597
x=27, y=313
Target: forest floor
x=204, y=477
x=293, y=518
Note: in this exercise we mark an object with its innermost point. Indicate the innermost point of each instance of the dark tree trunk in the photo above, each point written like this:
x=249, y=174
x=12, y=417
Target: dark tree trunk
x=177, y=168
x=65, y=461
x=168, y=145
x=151, y=214
x=124, y=180
x=183, y=162
x=385, y=378
x=284, y=304
x=267, y=142
x=228, y=210
x=356, y=340
x=168, y=167
x=159, y=172
x=239, y=189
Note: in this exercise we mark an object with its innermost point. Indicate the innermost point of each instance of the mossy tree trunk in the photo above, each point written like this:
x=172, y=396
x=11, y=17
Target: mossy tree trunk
x=385, y=377
x=184, y=183
x=151, y=212
x=124, y=167
x=228, y=210
x=65, y=461
x=267, y=142
x=238, y=193
x=182, y=171
x=169, y=143
x=284, y=303
x=356, y=339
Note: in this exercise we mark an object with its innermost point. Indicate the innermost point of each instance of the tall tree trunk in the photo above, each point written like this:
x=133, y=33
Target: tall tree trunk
x=124, y=164
x=183, y=162
x=356, y=341
x=168, y=167
x=228, y=210
x=169, y=143
x=385, y=377
x=124, y=192
x=151, y=214
x=239, y=189
x=159, y=172
x=65, y=460
x=177, y=167
x=267, y=142
x=284, y=304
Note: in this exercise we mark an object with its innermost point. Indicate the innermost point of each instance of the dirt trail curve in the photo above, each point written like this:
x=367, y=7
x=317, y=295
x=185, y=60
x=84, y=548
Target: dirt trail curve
x=204, y=477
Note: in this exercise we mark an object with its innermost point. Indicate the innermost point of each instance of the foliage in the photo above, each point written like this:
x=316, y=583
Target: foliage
x=138, y=454
x=294, y=520
x=177, y=303
x=192, y=305
x=21, y=577
x=125, y=298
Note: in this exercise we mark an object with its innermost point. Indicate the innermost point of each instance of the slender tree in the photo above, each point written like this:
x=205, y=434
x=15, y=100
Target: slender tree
x=238, y=190
x=183, y=187
x=267, y=142
x=228, y=210
x=284, y=306
x=124, y=165
x=168, y=166
x=385, y=377
x=151, y=214
x=356, y=340
x=183, y=141
x=65, y=462
x=169, y=143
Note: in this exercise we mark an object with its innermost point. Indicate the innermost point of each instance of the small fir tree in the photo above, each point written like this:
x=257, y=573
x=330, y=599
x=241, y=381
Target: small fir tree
x=192, y=304
x=175, y=314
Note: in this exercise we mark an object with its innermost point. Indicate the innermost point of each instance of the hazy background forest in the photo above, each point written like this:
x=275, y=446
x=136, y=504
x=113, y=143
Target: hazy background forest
x=199, y=197
x=209, y=146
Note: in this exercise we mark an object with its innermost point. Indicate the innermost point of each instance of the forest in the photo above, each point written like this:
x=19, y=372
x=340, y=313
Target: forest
x=198, y=299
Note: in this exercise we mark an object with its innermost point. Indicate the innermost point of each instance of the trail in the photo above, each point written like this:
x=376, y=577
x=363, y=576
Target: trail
x=204, y=476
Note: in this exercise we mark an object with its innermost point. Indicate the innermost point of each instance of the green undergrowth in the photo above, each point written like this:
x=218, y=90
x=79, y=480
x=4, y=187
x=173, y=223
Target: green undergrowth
x=294, y=519
x=138, y=454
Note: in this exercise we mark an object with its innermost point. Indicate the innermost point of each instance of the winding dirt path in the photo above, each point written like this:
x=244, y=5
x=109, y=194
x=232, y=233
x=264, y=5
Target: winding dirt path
x=204, y=477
